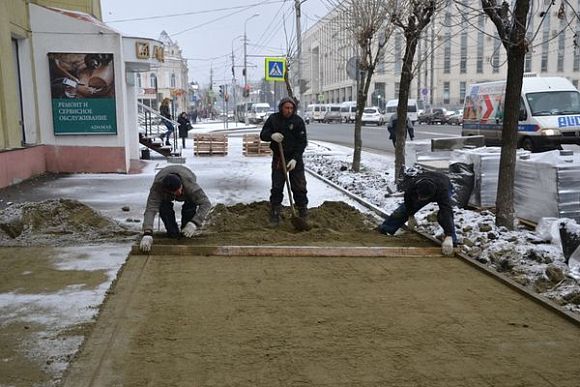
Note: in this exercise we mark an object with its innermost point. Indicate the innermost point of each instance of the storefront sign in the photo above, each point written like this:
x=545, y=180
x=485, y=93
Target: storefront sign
x=83, y=93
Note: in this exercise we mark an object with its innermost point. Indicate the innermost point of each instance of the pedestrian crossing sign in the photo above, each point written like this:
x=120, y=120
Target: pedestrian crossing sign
x=275, y=69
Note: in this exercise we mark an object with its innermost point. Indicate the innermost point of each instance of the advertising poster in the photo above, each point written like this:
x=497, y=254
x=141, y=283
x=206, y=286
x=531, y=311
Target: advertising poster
x=83, y=93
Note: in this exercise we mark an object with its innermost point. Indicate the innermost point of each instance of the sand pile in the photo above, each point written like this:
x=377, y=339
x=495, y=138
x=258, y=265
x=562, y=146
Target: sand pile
x=56, y=223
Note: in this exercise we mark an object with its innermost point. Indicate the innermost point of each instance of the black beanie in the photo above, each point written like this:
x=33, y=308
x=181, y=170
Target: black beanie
x=425, y=188
x=171, y=182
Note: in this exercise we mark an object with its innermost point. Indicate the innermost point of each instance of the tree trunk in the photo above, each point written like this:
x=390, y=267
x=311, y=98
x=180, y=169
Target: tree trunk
x=405, y=85
x=516, y=52
x=361, y=99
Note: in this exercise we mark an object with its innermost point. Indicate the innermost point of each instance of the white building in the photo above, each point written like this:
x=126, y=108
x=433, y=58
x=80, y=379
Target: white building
x=465, y=52
x=169, y=80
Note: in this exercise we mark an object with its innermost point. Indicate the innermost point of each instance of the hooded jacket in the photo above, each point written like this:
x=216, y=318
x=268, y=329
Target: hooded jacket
x=293, y=129
x=191, y=192
x=441, y=196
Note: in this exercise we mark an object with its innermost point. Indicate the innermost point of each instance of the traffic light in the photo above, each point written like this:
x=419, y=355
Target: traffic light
x=222, y=93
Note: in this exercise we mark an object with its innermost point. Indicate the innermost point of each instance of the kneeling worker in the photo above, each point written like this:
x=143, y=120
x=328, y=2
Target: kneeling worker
x=174, y=183
x=425, y=188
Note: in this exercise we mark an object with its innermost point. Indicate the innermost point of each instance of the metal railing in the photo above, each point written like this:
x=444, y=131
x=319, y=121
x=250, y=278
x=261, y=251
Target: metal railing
x=154, y=124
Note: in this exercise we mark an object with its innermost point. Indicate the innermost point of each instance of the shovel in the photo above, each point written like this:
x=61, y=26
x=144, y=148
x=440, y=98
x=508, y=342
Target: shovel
x=298, y=223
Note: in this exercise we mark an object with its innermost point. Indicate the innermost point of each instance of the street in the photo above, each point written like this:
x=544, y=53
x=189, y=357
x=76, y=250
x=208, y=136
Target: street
x=373, y=137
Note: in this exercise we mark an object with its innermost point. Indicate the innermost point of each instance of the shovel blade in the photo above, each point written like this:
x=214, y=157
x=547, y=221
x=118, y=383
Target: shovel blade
x=300, y=224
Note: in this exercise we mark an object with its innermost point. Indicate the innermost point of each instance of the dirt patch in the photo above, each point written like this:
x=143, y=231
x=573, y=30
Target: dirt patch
x=333, y=224
x=56, y=223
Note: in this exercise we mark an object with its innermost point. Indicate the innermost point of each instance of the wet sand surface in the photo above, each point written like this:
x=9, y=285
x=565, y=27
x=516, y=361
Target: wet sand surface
x=279, y=321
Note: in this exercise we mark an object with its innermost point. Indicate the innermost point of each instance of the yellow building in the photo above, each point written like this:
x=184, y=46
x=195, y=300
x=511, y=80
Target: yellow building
x=67, y=92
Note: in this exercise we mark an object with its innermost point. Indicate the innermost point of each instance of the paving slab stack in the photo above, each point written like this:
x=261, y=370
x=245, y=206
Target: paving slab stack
x=485, y=163
x=548, y=185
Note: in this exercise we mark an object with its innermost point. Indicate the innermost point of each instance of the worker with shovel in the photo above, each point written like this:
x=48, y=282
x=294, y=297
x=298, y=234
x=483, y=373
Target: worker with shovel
x=286, y=132
x=174, y=183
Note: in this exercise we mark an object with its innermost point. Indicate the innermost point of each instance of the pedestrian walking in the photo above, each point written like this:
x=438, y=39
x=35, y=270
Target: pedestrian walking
x=184, y=127
x=392, y=128
x=166, y=113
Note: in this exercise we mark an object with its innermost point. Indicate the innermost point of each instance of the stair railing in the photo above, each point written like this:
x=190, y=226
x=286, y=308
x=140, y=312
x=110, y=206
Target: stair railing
x=150, y=118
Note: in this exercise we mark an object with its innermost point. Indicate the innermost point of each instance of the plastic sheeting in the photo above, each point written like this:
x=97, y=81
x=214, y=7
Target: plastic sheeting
x=548, y=185
x=485, y=162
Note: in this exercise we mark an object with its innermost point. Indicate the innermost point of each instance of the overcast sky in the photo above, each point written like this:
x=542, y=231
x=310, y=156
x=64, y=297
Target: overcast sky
x=205, y=30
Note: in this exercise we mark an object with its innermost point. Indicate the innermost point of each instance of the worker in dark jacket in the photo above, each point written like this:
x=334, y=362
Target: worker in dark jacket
x=174, y=183
x=425, y=188
x=392, y=128
x=287, y=128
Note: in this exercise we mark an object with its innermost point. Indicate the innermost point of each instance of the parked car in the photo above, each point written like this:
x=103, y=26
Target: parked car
x=373, y=115
x=332, y=114
x=456, y=118
x=436, y=116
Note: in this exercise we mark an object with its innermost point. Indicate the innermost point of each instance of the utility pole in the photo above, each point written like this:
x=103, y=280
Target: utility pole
x=246, y=52
x=297, y=4
x=234, y=86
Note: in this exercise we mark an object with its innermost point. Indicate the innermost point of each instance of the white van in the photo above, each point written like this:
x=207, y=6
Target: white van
x=549, y=112
x=315, y=112
x=412, y=109
x=257, y=112
x=348, y=111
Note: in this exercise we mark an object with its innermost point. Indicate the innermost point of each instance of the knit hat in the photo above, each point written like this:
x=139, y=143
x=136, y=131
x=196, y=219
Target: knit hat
x=425, y=189
x=286, y=100
x=171, y=182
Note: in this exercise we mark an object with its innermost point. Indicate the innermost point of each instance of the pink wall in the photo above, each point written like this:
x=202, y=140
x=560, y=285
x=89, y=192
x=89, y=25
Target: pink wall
x=21, y=164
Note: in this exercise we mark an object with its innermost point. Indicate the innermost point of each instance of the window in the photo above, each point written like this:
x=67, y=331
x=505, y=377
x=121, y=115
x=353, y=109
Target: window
x=398, y=41
x=462, y=86
x=463, y=60
x=480, y=36
x=153, y=81
x=495, y=57
x=172, y=80
x=545, y=44
x=447, y=46
x=561, y=46
x=397, y=86
x=446, y=92
x=138, y=80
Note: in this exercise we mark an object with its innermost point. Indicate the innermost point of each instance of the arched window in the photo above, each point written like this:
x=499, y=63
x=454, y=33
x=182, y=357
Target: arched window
x=172, y=80
x=138, y=79
x=153, y=81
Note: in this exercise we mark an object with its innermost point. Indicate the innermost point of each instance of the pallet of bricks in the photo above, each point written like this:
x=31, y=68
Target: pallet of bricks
x=208, y=144
x=253, y=146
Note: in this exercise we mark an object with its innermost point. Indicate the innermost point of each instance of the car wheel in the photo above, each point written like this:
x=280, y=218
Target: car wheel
x=528, y=144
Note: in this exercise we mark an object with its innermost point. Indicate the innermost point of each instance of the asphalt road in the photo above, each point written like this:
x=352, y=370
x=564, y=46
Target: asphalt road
x=373, y=137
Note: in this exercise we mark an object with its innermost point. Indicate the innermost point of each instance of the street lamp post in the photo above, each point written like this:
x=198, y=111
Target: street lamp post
x=379, y=98
x=234, y=80
x=245, y=50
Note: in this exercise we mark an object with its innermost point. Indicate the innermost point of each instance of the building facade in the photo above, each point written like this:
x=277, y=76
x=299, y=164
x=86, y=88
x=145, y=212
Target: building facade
x=454, y=51
x=67, y=96
x=168, y=80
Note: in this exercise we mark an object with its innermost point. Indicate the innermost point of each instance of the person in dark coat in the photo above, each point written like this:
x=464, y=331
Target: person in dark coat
x=425, y=188
x=165, y=112
x=392, y=128
x=287, y=128
x=174, y=183
x=184, y=127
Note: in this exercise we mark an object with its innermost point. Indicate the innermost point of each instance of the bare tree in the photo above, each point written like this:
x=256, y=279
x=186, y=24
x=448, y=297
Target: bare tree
x=411, y=16
x=368, y=22
x=511, y=24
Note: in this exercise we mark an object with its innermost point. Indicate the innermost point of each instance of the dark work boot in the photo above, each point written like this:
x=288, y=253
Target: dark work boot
x=303, y=212
x=275, y=216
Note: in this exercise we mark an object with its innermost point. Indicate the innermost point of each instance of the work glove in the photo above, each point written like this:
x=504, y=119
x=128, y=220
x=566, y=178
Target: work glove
x=146, y=243
x=189, y=229
x=412, y=223
x=291, y=165
x=278, y=137
x=447, y=246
